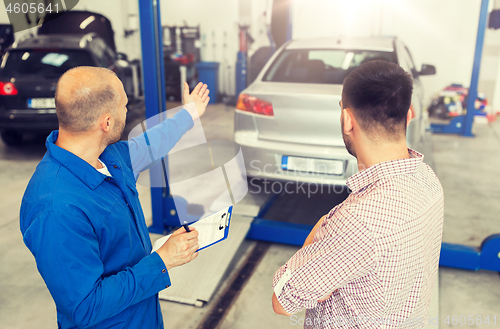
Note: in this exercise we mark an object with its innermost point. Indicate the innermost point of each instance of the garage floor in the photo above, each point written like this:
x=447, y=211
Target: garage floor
x=467, y=167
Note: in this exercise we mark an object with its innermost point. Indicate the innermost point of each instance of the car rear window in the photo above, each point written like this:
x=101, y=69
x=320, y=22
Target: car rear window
x=328, y=66
x=48, y=63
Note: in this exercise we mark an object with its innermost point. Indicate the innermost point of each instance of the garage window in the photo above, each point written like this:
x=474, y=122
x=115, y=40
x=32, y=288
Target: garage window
x=328, y=66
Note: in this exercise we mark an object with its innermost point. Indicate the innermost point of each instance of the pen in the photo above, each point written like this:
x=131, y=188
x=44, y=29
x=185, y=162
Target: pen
x=186, y=227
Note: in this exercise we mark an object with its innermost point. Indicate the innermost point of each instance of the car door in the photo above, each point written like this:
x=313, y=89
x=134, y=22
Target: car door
x=98, y=48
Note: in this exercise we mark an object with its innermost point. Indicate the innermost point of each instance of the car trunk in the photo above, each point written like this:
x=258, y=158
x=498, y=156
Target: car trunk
x=303, y=113
x=35, y=72
x=30, y=88
x=78, y=23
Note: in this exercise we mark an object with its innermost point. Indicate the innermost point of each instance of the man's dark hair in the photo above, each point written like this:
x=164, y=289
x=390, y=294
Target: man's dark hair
x=379, y=94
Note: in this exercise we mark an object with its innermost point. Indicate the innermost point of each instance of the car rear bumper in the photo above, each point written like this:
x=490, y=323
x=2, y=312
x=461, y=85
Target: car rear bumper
x=29, y=120
x=263, y=159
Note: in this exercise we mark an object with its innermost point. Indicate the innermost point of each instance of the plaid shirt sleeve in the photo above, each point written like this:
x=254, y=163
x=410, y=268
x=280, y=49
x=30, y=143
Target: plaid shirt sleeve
x=342, y=250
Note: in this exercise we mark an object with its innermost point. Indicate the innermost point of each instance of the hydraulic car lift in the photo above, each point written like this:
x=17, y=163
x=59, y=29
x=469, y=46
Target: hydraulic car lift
x=462, y=125
x=486, y=257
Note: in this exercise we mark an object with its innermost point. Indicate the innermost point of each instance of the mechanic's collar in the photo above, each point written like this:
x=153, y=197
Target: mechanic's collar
x=76, y=165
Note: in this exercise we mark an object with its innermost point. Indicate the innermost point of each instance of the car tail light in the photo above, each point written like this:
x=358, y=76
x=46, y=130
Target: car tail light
x=254, y=105
x=7, y=89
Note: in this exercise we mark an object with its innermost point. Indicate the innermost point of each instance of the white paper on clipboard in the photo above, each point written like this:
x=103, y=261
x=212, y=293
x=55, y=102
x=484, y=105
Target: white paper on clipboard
x=211, y=229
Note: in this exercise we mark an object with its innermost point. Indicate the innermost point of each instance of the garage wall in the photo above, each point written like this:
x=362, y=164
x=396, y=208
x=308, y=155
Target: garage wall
x=489, y=79
x=218, y=21
x=215, y=17
x=442, y=33
x=444, y=36
x=4, y=19
x=261, y=20
x=495, y=100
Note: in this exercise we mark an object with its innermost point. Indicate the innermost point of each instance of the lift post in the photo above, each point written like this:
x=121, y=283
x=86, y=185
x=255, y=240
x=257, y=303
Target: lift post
x=462, y=125
x=153, y=77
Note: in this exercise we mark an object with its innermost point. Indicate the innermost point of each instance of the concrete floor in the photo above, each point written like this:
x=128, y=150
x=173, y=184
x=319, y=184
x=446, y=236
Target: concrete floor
x=468, y=170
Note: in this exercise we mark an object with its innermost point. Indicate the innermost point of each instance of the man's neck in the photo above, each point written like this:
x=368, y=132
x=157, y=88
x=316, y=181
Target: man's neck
x=82, y=145
x=373, y=154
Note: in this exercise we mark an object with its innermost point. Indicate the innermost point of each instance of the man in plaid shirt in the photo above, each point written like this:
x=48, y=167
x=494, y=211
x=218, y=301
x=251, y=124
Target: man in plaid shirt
x=371, y=262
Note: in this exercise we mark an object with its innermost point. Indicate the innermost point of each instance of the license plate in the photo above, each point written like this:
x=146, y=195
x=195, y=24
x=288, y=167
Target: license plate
x=41, y=103
x=320, y=166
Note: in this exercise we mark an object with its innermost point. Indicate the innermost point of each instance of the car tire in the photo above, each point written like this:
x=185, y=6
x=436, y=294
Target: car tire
x=12, y=138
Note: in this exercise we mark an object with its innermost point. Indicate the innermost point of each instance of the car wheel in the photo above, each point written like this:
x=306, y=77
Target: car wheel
x=12, y=138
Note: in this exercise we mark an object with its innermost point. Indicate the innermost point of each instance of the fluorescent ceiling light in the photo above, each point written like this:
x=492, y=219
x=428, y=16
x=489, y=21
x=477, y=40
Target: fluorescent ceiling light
x=87, y=21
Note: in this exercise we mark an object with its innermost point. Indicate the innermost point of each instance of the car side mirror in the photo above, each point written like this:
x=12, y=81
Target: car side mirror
x=121, y=56
x=427, y=70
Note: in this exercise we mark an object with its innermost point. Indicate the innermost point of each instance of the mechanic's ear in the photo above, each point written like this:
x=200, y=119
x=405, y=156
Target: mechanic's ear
x=106, y=123
x=348, y=121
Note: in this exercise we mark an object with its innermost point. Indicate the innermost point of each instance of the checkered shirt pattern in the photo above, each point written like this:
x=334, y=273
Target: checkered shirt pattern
x=378, y=252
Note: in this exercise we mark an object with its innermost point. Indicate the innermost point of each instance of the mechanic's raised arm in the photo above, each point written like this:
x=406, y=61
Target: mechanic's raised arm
x=148, y=148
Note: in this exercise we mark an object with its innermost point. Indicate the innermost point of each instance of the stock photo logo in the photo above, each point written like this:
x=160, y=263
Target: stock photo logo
x=203, y=176
x=25, y=14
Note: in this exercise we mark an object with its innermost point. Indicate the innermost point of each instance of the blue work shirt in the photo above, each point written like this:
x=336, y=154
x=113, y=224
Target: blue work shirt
x=88, y=234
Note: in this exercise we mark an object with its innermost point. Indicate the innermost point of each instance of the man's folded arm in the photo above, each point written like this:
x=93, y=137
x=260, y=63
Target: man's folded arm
x=68, y=258
x=277, y=308
x=149, y=147
x=310, y=237
x=318, y=269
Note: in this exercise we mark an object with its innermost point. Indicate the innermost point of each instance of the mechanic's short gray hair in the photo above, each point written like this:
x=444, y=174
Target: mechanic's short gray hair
x=83, y=94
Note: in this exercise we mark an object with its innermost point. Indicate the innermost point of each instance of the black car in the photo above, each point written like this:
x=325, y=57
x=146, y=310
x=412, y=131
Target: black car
x=6, y=37
x=30, y=70
x=78, y=22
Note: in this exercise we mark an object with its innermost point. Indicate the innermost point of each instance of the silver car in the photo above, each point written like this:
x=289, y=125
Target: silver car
x=287, y=121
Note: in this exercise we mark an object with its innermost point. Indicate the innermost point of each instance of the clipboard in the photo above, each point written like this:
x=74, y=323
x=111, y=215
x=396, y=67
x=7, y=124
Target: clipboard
x=212, y=229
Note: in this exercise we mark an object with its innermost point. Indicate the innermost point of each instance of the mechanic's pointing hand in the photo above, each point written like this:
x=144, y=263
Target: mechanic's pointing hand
x=180, y=248
x=199, y=96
